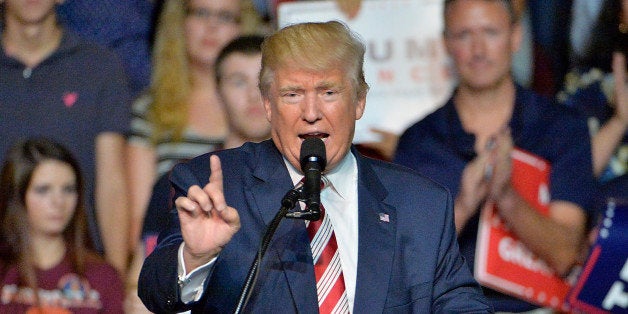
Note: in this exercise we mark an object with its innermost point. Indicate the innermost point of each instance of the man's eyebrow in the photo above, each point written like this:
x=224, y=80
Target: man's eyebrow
x=288, y=88
x=319, y=86
x=326, y=85
x=330, y=85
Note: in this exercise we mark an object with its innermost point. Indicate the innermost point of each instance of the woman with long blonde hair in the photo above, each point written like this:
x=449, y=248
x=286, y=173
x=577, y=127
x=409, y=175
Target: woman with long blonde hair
x=180, y=116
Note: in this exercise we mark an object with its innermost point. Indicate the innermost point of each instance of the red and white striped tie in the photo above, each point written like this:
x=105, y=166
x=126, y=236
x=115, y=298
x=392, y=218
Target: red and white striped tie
x=330, y=283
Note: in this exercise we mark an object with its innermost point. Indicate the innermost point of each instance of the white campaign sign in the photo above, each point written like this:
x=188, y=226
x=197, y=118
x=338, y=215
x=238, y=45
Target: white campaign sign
x=406, y=64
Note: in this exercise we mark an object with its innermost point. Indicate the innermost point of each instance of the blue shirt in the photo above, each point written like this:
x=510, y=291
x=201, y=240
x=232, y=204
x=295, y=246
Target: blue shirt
x=440, y=148
x=122, y=26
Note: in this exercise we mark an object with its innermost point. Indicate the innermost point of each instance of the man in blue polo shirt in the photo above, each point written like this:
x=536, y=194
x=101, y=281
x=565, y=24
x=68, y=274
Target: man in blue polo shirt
x=466, y=145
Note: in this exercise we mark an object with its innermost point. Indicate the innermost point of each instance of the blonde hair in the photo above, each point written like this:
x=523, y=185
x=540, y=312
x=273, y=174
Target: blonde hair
x=315, y=47
x=171, y=79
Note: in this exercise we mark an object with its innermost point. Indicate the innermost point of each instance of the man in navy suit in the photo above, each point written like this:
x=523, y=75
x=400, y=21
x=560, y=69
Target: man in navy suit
x=395, y=232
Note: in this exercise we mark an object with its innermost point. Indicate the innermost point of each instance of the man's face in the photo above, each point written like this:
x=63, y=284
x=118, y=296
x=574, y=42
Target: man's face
x=241, y=96
x=481, y=40
x=319, y=104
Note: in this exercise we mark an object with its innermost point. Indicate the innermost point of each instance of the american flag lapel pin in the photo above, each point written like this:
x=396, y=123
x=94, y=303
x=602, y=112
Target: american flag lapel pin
x=384, y=217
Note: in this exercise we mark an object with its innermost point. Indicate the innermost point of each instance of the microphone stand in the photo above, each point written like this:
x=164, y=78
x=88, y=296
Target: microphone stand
x=287, y=203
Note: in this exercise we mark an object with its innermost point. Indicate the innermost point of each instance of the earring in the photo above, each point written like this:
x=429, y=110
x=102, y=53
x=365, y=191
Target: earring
x=623, y=28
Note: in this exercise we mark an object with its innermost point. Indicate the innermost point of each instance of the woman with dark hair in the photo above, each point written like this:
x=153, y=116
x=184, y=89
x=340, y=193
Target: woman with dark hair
x=597, y=86
x=46, y=262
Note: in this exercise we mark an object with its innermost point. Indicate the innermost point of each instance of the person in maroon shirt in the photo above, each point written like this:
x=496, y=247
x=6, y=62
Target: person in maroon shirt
x=46, y=263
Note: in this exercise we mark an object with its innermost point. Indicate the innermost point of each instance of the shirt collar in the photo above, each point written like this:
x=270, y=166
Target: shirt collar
x=464, y=142
x=341, y=177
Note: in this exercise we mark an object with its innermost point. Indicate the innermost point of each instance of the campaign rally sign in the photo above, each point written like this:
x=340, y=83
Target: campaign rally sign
x=406, y=65
x=603, y=284
x=503, y=262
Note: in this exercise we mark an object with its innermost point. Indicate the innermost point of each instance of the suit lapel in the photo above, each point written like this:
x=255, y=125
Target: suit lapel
x=290, y=243
x=376, y=240
x=270, y=181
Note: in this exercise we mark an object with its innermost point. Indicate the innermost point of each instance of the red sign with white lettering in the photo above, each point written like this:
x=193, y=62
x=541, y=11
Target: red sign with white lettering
x=503, y=262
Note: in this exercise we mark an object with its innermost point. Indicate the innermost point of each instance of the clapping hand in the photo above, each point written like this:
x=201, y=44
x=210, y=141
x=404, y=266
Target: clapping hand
x=500, y=161
x=487, y=177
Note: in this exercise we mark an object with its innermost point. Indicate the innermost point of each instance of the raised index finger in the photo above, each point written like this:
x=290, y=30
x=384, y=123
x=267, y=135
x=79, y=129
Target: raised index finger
x=215, y=178
x=214, y=187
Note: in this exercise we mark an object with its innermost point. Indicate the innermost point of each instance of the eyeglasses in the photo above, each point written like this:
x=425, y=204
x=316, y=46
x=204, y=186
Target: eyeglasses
x=222, y=17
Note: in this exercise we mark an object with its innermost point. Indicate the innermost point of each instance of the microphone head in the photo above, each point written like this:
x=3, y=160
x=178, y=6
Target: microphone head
x=313, y=150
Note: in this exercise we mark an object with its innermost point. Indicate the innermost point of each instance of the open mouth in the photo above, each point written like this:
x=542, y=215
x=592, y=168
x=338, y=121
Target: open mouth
x=322, y=136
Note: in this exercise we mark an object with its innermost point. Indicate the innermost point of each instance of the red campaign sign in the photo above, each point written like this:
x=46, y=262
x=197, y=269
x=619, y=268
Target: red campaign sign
x=503, y=263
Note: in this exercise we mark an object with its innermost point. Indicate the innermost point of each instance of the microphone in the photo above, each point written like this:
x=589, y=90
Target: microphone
x=313, y=161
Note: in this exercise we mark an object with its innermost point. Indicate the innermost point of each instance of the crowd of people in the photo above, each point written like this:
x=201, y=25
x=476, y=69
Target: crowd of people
x=101, y=107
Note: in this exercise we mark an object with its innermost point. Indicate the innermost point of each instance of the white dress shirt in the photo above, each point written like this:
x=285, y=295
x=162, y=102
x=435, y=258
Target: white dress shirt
x=340, y=199
x=341, y=204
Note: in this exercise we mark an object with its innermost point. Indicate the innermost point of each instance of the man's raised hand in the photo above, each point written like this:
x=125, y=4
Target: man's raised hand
x=207, y=222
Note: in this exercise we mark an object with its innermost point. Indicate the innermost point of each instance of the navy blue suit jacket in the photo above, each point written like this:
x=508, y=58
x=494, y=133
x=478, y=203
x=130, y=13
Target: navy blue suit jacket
x=409, y=264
